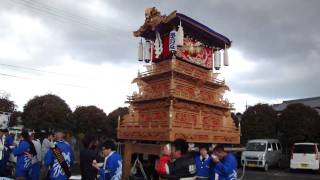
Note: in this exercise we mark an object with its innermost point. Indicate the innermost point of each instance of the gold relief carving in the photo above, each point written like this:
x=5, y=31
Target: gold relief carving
x=152, y=89
x=192, y=137
x=211, y=122
x=192, y=70
x=185, y=91
x=206, y=137
x=197, y=93
x=208, y=97
x=227, y=139
x=144, y=135
x=185, y=119
x=142, y=86
x=159, y=89
x=157, y=116
x=186, y=107
x=210, y=110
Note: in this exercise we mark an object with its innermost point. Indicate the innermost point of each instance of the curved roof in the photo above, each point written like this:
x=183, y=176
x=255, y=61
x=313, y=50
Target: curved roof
x=191, y=28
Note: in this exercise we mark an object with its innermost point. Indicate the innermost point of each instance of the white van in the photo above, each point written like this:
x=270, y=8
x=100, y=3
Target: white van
x=305, y=156
x=262, y=153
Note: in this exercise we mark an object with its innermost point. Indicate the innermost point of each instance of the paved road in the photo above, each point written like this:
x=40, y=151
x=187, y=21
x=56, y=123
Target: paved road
x=253, y=174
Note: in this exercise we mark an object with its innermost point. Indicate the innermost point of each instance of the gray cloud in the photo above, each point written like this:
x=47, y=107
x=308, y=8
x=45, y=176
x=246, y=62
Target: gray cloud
x=282, y=37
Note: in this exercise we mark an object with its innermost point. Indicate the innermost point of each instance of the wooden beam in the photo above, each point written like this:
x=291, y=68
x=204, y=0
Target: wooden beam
x=127, y=160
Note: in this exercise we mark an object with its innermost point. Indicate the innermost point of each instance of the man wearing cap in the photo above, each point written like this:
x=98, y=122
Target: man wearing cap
x=225, y=164
x=59, y=158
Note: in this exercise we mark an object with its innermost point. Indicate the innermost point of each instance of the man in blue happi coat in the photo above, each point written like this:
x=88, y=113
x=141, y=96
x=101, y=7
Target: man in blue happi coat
x=225, y=164
x=112, y=166
x=24, y=153
x=56, y=171
x=204, y=164
x=7, y=143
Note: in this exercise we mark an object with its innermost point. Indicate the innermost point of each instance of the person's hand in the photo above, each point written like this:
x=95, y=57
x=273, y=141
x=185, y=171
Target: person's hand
x=215, y=159
x=29, y=155
x=95, y=164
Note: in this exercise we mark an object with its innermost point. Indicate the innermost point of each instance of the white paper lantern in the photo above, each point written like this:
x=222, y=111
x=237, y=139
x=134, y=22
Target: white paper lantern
x=217, y=60
x=180, y=36
x=151, y=50
x=147, y=52
x=173, y=40
x=225, y=57
x=140, y=51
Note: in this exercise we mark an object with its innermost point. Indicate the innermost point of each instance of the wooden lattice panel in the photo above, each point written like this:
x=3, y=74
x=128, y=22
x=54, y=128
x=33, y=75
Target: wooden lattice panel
x=179, y=100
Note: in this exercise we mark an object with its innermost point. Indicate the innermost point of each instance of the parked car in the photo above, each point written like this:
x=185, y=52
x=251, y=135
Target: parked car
x=262, y=153
x=305, y=156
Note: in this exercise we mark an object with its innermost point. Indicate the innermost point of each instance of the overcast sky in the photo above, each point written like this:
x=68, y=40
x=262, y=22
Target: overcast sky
x=84, y=51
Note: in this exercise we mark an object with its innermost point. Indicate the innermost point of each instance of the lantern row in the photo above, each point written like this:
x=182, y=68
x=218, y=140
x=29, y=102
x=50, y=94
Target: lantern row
x=176, y=39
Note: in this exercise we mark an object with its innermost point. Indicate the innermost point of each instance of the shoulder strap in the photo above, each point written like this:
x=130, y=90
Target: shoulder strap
x=58, y=155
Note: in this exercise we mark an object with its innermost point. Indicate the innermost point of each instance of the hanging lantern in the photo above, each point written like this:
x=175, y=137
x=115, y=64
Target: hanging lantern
x=147, y=52
x=151, y=50
x=173, y=41
x=225, y=57
x=180, y=36
x=217, y=59
x=140, y=51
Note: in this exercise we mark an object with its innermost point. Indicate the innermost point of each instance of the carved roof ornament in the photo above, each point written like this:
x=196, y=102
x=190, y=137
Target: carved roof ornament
x=153, y=18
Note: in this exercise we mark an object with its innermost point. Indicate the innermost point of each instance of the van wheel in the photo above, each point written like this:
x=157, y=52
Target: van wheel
x=266, y=167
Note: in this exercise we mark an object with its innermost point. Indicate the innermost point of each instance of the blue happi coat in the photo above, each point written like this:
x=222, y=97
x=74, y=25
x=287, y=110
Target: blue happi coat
x=23, y=161
x=204, y=166
x=56, y=172
x=227, y=168
x=8, y=141
x=112, y=167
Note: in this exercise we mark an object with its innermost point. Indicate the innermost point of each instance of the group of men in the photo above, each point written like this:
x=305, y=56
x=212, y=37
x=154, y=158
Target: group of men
x=177, y=163
x=54, y=155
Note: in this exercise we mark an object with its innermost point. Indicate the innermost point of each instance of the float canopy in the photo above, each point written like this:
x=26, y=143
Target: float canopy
x=191, y=28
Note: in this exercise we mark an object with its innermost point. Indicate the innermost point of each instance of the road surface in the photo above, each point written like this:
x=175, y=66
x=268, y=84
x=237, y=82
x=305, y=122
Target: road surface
x=256, y=174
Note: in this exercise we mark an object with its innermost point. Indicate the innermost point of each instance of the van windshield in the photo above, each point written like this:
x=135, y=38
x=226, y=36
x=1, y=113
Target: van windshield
x=304, y=149
x=256, y=146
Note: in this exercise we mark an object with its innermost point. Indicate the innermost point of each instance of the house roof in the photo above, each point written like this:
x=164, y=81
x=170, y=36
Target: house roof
x=313, y=102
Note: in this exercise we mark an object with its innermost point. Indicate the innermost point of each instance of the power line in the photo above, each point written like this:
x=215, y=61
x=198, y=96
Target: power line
x=58, y=83
x=59, y=17
x=57, y=12
x=14, y=76
x=33, y=69
x=45, y=5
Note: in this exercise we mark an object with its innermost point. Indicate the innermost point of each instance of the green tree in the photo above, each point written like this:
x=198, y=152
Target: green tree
x=6, y=105
x=259, y=121
x=299, y=123
x=90, y=119
x=47, y=112
x=113, y=119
